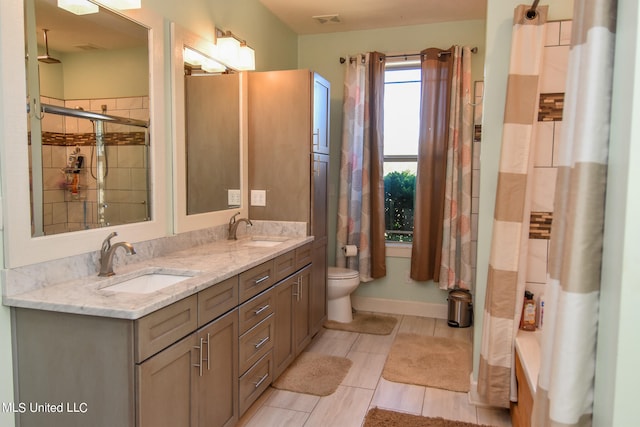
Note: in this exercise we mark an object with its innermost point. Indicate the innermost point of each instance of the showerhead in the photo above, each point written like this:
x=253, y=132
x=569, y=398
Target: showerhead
x=46, y=58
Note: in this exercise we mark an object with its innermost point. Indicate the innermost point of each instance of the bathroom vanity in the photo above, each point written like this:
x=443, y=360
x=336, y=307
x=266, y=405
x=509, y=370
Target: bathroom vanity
x=198, y=352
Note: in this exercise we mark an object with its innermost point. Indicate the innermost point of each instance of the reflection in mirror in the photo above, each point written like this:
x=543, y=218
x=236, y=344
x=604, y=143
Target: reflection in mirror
x=212, y=106
x=88, y=95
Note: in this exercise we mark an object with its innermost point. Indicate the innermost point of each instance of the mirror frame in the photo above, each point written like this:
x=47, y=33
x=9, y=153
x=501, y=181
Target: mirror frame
x=180, y=38
x=19, y=247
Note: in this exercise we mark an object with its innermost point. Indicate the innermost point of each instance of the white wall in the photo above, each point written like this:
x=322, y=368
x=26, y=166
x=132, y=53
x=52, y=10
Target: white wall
x=617, y=373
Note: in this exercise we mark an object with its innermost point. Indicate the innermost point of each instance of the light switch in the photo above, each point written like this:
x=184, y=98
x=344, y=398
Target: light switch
x=233, y=197
x=258, y=198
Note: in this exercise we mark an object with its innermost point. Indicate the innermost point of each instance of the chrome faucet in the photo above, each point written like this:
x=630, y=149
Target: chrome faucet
x=233, y=225
x=106, y=254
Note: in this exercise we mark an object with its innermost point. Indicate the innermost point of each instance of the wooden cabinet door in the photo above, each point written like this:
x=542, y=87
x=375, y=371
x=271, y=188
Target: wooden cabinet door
x=217, y=381
x=321, y=94
x=166, y=387
x=301, y=326
x=283, y=348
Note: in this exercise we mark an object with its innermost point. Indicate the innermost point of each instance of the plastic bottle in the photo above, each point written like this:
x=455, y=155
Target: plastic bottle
x=528, y=319
x=540, y=311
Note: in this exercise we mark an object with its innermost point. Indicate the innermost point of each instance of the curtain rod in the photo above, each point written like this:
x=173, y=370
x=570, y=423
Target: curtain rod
x=402, y=55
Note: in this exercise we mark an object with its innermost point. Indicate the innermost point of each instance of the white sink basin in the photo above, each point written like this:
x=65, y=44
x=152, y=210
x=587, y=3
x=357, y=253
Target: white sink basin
x=264, y=242
x=146, y=283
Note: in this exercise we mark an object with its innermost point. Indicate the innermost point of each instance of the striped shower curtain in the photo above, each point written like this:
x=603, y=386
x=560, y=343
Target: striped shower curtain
x=564, y=395
x=508, y=258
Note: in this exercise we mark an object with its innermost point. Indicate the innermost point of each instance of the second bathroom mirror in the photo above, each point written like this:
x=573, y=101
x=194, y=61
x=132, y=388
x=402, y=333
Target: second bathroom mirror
x=209, y=135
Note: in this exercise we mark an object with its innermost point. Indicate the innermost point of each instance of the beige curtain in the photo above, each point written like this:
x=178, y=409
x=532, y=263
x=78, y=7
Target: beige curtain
x=508, y=258
x=361, y=198
x=564, y=395
x=437, y=68
x=455, y=264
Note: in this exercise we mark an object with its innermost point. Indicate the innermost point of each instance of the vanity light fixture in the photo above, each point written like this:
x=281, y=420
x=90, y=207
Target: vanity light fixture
x=121, y=4
x=78, y=7
x=234, y=52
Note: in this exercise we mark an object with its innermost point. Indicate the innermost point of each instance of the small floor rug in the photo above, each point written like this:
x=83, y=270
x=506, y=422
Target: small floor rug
x=377, y=417
x=429, y=361
x=314, y=373
x=364, y=323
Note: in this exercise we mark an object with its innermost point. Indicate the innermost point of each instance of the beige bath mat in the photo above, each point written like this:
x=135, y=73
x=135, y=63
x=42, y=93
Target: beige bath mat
x=365, y=324
x=377, y=417
x=314, y=373
x=429, y=361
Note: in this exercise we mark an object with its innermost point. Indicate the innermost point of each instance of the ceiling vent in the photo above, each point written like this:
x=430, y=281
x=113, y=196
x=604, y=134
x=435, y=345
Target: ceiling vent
x=324, y=19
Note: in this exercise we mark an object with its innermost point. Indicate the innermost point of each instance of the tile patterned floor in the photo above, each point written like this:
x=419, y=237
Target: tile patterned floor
x=364, y=388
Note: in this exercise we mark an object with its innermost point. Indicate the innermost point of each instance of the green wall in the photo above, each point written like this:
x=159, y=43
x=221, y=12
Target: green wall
x=321, y=53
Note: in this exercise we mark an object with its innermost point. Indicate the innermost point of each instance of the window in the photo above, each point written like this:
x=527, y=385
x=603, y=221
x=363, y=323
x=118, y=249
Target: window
x=401, y=129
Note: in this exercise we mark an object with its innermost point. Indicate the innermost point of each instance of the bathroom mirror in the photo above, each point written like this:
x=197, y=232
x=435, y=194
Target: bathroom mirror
x=209, y=110
x=141, y=34
x=88, y=89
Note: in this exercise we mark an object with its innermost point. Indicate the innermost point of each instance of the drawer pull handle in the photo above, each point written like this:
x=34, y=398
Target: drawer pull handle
x=260, y=280
x=208, y=352
x=261, y=380
x=261, y=342
x=200, y=359
x=260, y=310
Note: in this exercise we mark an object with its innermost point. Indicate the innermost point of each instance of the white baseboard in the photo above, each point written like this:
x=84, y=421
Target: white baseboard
x=392, y=306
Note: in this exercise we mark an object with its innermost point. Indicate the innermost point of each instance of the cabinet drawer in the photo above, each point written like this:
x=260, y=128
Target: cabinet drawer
x=304, y=255
x=255, y=381
x=256, y=310
x=256, y=280
x=285, y=265
x=162, y=328
x=217, y=300
x=256, y=343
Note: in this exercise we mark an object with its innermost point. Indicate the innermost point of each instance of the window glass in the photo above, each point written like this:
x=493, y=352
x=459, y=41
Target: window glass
x=401, y=128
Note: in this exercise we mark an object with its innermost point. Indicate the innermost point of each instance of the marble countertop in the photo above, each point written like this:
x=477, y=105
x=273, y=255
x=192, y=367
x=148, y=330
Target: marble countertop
x=208, y=264
x=528, y=348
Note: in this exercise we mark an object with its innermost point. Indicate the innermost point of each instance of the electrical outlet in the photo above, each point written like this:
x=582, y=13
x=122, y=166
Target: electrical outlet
x=233, y=197
x=258, y=198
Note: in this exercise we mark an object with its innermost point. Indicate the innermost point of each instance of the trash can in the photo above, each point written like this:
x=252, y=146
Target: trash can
x=460, y=309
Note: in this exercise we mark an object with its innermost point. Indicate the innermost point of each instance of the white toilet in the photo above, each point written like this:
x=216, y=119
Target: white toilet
x=341, y=282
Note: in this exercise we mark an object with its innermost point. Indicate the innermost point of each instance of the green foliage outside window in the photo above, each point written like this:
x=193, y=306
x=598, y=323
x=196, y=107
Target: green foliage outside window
x=399, y=191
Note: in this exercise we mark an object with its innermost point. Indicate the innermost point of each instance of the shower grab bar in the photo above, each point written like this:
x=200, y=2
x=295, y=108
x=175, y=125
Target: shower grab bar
x=71, y=112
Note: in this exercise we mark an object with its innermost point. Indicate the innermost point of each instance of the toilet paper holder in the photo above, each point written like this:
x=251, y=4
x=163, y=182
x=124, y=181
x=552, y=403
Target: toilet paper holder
x=350, y=250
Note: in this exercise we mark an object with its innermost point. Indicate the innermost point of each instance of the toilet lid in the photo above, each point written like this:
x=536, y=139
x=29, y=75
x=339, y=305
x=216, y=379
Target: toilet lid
x=342, y=273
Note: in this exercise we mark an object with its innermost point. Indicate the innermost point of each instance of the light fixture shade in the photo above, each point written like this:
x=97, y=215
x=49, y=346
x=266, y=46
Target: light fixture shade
x=246, y=58
x=121, y=4
x=228, y=50
x=197, y=59
x=191, y=57
x=78, y=7
x=211, y=66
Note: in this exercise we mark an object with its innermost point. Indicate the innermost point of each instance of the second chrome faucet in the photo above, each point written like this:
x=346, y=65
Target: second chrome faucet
x=233, y=225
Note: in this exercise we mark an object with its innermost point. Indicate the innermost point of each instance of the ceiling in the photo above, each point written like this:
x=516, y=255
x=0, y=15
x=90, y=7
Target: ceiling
x=369, y=14
x=73, y=33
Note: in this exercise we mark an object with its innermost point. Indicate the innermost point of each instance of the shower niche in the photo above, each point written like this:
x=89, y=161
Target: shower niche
x=88, y=116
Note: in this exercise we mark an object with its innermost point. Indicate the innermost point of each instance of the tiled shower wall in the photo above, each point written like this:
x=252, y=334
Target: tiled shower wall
x=548, y=129
x=126, y=183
